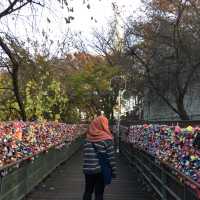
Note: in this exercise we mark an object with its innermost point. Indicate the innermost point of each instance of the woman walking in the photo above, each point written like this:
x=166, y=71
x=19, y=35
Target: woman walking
x=99, y=162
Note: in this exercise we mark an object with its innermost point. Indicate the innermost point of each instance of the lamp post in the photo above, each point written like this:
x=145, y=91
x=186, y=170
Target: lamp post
x=120, y=94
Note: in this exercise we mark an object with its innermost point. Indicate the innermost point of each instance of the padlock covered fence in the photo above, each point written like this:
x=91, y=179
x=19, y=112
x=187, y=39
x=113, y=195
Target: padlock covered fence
x=166, y=157
x=31, y=151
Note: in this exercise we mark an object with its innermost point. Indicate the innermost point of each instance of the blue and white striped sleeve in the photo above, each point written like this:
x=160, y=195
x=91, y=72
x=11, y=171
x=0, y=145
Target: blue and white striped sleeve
x=111, y=156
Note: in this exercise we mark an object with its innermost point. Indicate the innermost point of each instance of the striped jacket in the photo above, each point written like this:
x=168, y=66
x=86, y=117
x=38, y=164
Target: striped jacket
x=90, y=159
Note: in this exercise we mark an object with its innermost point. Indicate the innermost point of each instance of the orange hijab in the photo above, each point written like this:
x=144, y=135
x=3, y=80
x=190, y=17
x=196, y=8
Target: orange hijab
x=99, y=130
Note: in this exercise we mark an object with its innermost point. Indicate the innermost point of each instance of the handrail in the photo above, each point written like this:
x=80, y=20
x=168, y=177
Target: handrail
x=166, y=122
x=171, y=168
x=144, y=163
x=21, y=181
x=13, y=164
x=174, y=175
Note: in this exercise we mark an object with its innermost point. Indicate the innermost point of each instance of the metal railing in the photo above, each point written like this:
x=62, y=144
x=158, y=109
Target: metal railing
x=18, y=179
x=166, y=122
x=167, y=182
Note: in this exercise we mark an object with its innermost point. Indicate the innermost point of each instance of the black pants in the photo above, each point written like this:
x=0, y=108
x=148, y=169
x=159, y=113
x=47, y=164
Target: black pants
x=94, y=183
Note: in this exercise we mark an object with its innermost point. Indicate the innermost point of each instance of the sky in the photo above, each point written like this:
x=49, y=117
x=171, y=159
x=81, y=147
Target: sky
x=100, y=11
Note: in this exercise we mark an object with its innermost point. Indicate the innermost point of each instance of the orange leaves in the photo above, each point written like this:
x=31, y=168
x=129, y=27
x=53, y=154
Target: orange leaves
x=173, y=6
x=166, y=5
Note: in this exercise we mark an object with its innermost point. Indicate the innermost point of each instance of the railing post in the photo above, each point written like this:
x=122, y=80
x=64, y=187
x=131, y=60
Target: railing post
x=1, y=182
x=184, y=195
x=118, y=135
x=164, y=183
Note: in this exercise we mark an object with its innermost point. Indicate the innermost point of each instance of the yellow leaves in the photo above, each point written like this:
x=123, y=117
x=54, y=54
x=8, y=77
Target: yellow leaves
x=40, y=60
x=45, y=99
x=104, y=85
x=89, y=67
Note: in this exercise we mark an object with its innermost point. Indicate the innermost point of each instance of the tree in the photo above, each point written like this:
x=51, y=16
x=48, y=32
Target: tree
x=45, y=99
x=110, y=44
x=30, y=77
x=13, y=69
x=12, y=51
x=89, y=87
x=166, y=46
x=9, y=7
x=8, y=105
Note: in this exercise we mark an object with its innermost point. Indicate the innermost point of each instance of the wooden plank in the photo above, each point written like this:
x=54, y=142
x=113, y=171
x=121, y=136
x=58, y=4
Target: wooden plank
x=67, y=183
x=20, y=181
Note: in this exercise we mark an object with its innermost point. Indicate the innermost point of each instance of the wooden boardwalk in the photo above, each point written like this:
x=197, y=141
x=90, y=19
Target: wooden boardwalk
x=67, y=183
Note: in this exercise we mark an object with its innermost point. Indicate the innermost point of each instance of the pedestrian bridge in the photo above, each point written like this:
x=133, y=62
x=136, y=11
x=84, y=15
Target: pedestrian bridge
x=67, y=182
x=57, y=175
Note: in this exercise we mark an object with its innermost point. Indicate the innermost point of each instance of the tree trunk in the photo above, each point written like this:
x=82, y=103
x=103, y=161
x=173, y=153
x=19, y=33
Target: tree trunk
x=14, y=75
x=17, y=94
x=181, y=108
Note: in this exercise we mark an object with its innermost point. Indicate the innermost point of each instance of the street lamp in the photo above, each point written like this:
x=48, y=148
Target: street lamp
x=122, y=89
